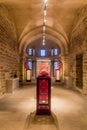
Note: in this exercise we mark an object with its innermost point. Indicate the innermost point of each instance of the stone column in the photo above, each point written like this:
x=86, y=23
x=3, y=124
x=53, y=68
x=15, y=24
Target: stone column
x=66, y=77
x=34, y=69
x=23, y=70
x=52, y=70
x=20, y=66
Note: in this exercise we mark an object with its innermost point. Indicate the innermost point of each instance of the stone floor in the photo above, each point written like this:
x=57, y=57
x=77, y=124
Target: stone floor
x=69, y=110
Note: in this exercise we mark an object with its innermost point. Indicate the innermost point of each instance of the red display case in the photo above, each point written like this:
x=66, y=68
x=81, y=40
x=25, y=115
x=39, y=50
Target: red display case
x=43, y=94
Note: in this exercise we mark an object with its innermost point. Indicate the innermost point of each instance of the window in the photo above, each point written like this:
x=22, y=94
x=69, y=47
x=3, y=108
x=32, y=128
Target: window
x=42, y=52
x=55, y=66
x=79, y=71
x=30, y=64
x=30, y=51
x=55, y=52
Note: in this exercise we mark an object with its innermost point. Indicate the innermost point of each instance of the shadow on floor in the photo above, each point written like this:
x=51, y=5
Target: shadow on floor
x=43, y=122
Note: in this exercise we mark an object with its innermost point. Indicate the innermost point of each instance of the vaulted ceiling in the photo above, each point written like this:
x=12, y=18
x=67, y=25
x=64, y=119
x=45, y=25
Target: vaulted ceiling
x=28, y=19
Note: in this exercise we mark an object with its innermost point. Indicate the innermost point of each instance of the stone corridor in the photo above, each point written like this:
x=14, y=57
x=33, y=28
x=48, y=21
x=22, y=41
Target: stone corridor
x=69, y=110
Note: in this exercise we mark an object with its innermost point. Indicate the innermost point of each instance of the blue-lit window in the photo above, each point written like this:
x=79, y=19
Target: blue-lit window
x=55, y=66
x=30, y=64
x=30, y=51
x=55, y=52
x=42, y=52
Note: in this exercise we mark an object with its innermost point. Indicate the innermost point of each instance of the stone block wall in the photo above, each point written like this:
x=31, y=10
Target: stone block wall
x=9, y=57
x=79, y=46
x=85, y=69
x=74, y=51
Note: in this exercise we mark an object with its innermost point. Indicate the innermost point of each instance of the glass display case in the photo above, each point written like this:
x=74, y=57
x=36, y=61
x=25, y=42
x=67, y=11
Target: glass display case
x=43, y=94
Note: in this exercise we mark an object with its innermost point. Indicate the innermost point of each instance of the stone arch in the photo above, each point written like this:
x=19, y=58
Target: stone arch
x=37, y=33
x=7, y=23
x=81, y=23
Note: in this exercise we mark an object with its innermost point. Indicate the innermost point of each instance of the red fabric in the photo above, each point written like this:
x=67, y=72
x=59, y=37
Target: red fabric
x=27, y=65
x=44, y=73
x=43, y=89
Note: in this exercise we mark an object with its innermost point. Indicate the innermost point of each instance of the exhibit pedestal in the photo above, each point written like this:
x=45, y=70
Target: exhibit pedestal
x=12, y=85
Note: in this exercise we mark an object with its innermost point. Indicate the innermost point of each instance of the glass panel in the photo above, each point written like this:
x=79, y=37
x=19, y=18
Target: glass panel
x=43, y=91
x=55, y=66
x=30, y=64
x=55, y=52
x=42, y=52
x=30, y=51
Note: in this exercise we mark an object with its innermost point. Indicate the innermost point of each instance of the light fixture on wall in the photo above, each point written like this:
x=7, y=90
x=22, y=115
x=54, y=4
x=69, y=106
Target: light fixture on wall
x=44, y=22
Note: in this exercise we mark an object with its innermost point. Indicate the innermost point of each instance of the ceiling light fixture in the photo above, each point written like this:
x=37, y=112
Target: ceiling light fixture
x=45, y=1
x=44, y=22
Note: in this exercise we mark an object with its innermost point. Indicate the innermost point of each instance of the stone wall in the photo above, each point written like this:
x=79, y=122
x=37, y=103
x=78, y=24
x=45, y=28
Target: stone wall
x=79, y=46
x=9, y=57
x=85, y=68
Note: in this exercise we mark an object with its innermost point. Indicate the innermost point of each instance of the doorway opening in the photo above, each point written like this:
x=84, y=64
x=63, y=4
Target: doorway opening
x=79, y=71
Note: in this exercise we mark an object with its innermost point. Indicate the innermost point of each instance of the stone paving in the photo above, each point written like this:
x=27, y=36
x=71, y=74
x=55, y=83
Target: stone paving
x=69, y=107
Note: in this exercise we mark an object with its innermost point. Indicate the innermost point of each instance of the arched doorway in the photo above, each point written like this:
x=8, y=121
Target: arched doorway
x=33, y=41
x=40, y=58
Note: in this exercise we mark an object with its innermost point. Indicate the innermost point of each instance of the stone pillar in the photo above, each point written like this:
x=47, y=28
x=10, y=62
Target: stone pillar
x=66, y=77
x=23, y=70
x=34, y=69
x=52, y=69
